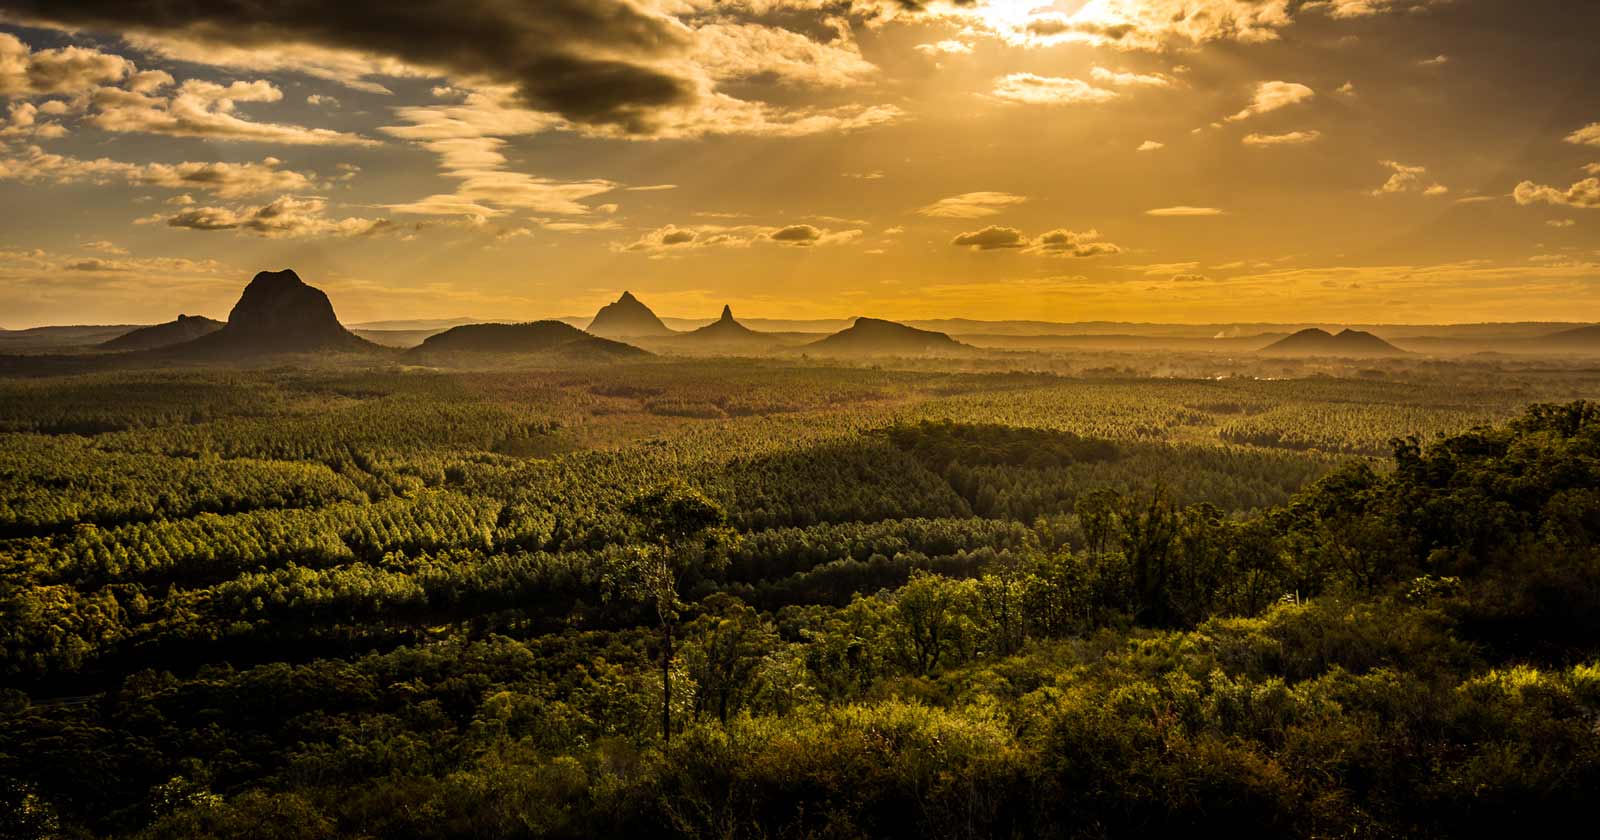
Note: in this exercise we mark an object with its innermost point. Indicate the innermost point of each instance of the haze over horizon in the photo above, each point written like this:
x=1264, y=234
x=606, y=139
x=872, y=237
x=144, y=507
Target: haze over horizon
x=1158, y=161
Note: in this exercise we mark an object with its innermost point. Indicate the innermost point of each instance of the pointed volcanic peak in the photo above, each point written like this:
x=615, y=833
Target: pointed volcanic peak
x=1319, y=342
x=628, y=318
x=874, y=337
x=726, y=330
x=546, y=338
x=186, y=328
x=278, y=313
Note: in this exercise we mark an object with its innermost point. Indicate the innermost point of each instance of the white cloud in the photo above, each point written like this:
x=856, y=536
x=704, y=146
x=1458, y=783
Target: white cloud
x=204, y=109
x=1182, y=211
x=1150, y=146
x=741, y=51
x=1404, y=178
x=1292, y=138
x=229, y=180
x=22, y=120
x=1271, y=96
x=468, y=138
x=1144, y=24
x=945, y=48
x=68, y=71
x=349, y=68
x=1585, y=194
x=1033, y=89
x=1161, y=269
x=1123, y=79
x=971, y=205
x=1589, y=135
x=105, y=246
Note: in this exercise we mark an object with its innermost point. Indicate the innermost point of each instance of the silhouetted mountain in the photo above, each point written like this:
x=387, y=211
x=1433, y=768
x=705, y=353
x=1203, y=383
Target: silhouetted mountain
x=542, y=337
x=186, y=328
x=1580, y=340
x=726, y=332
x=278, y=313
x=1317, y=342
x=627, y=318
x=874, y=337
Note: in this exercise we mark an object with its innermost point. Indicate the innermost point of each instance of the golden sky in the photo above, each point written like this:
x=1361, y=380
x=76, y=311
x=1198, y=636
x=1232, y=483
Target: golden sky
x=1185, y=161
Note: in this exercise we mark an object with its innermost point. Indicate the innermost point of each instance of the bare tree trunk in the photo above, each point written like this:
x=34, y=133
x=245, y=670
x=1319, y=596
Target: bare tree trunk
x=666, y=682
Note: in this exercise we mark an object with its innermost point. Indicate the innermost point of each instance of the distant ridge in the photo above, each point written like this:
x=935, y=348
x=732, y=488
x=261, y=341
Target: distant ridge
x=277, y=313
x=413, y=324
x=73, y=337
x=186, y=328
x=1579, y=340
x=538, y=337
x=627, y=318
x=1319, y=342
x=875, y=337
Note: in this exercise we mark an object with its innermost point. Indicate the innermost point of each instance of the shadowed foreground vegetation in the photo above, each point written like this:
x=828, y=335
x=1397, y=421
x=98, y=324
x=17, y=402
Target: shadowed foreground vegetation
x=919, y=624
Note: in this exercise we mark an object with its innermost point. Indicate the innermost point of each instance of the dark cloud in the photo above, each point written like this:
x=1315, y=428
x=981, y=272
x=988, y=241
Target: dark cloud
x=1050, y=26
x=288, y=217
x=1067, y=243
x=991, y=238
x=678, y=237
x=588, y=60
x=797, y=234
x=96, y=264
x=205, y=218
x=1054, y=243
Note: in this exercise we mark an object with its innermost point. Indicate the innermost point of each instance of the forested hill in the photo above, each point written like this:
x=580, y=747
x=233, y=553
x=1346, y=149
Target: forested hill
x=866, y=639
x=551, y=338
x=872, y=336
x=185, y=328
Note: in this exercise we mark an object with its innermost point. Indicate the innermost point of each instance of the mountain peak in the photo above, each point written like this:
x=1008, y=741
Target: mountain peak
x=875, y=336
x=727, y=331
x=538, y=337
x=1319, y=342
x=279, y=313
x=274, y=281
x=628, y=317
x=186, y=328
x=276, y=302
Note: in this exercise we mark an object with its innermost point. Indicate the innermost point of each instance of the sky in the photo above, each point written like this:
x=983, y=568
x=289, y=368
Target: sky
x=1176, y=161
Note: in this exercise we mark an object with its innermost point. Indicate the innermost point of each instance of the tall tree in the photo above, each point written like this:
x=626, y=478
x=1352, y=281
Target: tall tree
x=682, y=533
